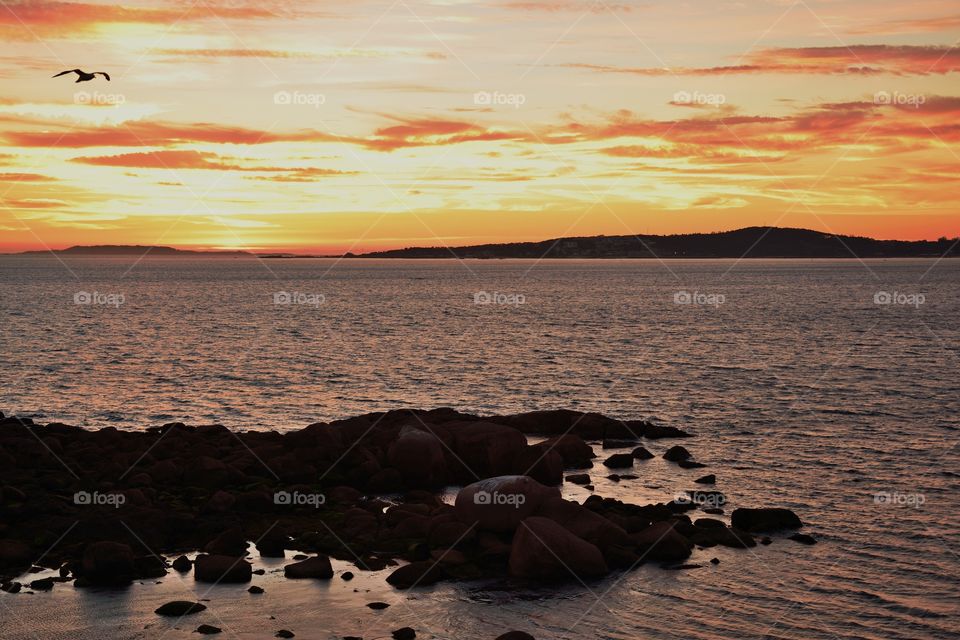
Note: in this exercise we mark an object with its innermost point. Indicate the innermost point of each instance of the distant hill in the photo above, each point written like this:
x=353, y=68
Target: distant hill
x=136, y=250
x=752, y=242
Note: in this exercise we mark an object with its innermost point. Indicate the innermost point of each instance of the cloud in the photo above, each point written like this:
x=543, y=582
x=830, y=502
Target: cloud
x=567, y=5
x=29, y=19
x=25, y=177
x=33, y=203
x=855, y=59
x=921, y=25
x=432, y=132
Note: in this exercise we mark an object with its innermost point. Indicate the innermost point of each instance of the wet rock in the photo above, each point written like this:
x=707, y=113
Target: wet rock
x=619, y=461
x=500, y=504
x=803, y=538
x=347, y=576
x=708, y=479
x=419, y=574
x=690, y=464
x=579, y=478
x=450, y=534
x=14, y=554
x=284, y=633
x=765, y=519
x=208, y=630
x=377, y=606
x=538, y=545
x=182, y=564
x=655, y=432
x=108, y=564
x=660, y=541
x=404, y=633
x=714, y=561
x=618, y=444
x=180, y=608
x=515, y=635
x=575, y=453
x=318, y=568
x=272, y=545
x=641, y=453
x=11, y=587
x=222, y=569
x=255, y=590
x=43, y=584
x=676, y=453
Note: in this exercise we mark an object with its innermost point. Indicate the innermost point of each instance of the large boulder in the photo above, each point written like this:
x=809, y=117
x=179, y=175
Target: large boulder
x=108, y=563
x=229, y=543
x=15, y=555
x=572, y=449
x=417, y=574
x=540, y=463
x=584, y=523
x=486, y=449
x=318, y=568
x=419, y=457
x=764, y=519
x=500, y=504
x=543, y=549
x=660, y=541
x=218, y=568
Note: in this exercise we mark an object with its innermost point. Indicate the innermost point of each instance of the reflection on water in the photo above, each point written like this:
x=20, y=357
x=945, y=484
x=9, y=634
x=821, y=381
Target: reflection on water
x=802, y=390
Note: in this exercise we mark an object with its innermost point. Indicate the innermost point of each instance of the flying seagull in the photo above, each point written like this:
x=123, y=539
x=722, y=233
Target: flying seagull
x=83, y=76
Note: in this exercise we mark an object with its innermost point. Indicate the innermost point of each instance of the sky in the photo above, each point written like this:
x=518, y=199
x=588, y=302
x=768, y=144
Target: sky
x=322, y=126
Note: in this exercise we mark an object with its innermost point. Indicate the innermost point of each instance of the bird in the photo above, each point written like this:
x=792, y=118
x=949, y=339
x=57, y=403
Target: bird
x=83, y=76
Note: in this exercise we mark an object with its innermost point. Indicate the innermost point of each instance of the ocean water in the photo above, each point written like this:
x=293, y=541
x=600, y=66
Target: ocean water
x=829, y=387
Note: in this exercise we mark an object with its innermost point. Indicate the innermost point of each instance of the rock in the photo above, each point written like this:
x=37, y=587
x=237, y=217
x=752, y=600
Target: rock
x=419, y=457
x=377, y=606
x=229, y=543
x=540, y=463
x=182, y=564
x=11, y=587
x=690, y=464
x=501, y=503
x=318, y=568
x=272, y=546
x=676, y=453
x=803, y=538
x=222, y=569
x=714, y=560
x=660, y=541
x=451, y=534
x=284, y=633
x=43, y=584
x=641, y=453
x=180, y=608
x=515, y=635
x=347, y=576
x=419, y=574
x=618, y=444
x=540, y=543
x=108, y=564
x=655, y=432
x=13, y=553
x=572, y=449
x=765, y=541
x=486, y=449
x=220, y=502
x=765, y=519
x=619, y=461
x=579, y=478
x=404, y=633
x=585, y=524
x=708, y=479
x=208, y=630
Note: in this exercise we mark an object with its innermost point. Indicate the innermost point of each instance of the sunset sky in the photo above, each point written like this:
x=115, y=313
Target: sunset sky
x=330, y=126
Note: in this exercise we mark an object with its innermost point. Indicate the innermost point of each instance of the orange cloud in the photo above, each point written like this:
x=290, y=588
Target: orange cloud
x=855, y=59
x=27, y=19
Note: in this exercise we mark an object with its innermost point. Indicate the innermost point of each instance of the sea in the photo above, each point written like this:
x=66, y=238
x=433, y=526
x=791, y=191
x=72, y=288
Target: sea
x=830, y=387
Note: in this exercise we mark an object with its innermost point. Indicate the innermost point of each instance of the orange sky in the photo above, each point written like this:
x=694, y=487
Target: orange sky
x=328, y=126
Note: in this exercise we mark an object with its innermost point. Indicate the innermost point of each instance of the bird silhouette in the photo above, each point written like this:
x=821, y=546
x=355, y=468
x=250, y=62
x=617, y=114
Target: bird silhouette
x=83, y=76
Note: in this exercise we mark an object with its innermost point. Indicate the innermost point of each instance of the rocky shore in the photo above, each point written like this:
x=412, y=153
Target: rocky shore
x=107, y=507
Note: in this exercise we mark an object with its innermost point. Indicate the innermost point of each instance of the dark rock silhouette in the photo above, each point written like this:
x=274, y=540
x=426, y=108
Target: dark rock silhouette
x=765, y=519
x=180, y=608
